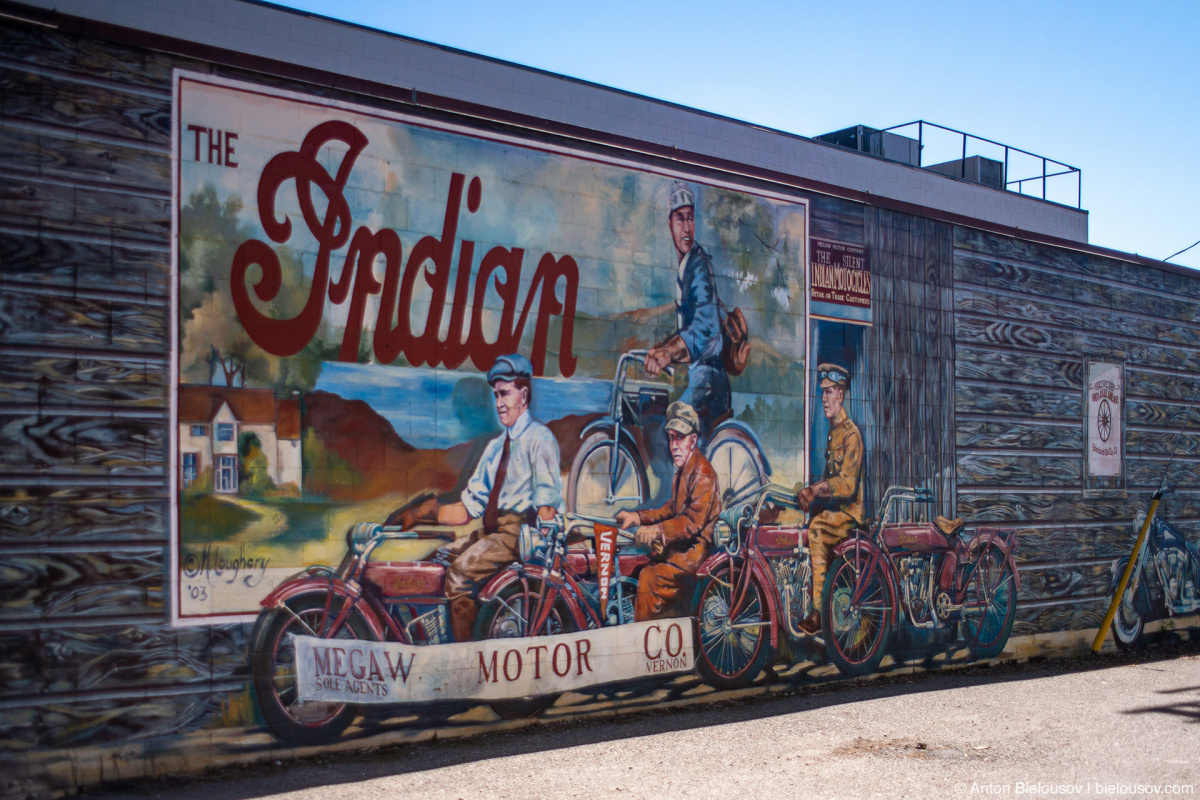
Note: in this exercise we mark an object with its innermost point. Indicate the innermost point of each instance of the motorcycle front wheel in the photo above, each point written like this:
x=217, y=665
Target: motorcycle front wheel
x=856, y=634
x=1129, y=622
x=989, y=604
x=595, y=488
x=273, y=667
x=733, y=627
x=507, y=617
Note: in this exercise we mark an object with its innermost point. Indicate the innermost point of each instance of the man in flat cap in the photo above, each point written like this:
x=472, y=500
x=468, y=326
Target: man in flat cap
x=679, y=534
x=839, y=493
x=697, y=339
x=516, y=482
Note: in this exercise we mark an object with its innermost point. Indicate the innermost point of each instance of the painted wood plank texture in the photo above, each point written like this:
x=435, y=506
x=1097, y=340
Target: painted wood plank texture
x=1075, y=616
x=28, y=378
x=980, y=469
x=972, y=434
x=69, y=157
x=75, y=445
x=1177, y=386
x=1026, y=279
x=114, y=582
x=1167, y=416
x=835, y=219
x=69, y=260
x=1139, y=441
x=54, y=101
x=1001, y=365
x=1049, y=543
x=132, y=67
x=1003, y=400
x=1072, y=261
x=123, y=657
x=1029, y=309
x=78, y=724
x=979, y=507
x=1182, y=472
x=60, y=319
x=1064, y=582
x=77, y=514
x=80, y=208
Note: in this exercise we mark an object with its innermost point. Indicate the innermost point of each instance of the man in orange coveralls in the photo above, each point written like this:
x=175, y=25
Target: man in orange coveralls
x=678, y=534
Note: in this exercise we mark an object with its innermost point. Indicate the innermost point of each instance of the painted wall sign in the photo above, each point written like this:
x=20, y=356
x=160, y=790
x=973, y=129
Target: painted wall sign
x=1104, y=414
x=346, y=277
x=840, y=281
x=383, y=672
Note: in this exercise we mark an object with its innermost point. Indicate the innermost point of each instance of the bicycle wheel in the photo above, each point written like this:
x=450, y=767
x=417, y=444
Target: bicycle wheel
x=856, y=632
x=733, y=627
x=591, y=488
x=507, y=617
x=739, y=467
x=989, y=604
x=273, y=667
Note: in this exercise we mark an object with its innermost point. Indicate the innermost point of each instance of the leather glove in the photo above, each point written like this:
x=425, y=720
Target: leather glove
x=421, y=510
x=804, y=498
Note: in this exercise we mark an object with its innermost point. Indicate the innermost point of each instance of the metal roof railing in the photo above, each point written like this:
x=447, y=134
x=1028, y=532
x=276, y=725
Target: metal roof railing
x=1050, y=168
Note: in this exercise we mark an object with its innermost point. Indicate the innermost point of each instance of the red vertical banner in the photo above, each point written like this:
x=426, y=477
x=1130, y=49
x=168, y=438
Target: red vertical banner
x=606, y=551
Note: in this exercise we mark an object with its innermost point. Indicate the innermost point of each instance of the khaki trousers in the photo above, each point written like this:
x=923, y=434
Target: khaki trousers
x=826, y=531
x=481, y=555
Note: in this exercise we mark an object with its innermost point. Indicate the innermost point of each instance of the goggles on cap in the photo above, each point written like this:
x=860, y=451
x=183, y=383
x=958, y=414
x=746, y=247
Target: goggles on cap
x=836, y=377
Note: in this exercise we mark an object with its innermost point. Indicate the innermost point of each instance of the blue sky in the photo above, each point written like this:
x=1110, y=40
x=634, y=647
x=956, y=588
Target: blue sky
x=1111, y=88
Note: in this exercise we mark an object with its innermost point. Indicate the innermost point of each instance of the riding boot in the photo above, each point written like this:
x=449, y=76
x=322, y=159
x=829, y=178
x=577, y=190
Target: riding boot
x=811, y=624
x=462, y=618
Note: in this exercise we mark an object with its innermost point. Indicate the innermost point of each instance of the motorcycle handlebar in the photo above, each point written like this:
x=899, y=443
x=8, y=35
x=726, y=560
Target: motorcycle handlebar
x=638, y=357
x=396, y=532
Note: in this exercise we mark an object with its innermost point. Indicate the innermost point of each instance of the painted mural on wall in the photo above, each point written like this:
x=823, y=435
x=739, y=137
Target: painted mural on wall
x=459, y=418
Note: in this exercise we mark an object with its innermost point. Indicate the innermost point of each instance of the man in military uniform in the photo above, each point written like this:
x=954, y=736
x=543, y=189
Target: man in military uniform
x=679, y=534
x=839, y=493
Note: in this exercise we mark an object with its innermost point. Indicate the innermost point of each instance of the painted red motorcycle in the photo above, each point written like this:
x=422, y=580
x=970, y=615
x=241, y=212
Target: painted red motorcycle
x=920, y=573
x=554, y=588
x=753, y=590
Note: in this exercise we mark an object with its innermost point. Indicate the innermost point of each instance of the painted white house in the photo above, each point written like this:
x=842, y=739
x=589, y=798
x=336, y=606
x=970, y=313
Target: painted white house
x=212, y=420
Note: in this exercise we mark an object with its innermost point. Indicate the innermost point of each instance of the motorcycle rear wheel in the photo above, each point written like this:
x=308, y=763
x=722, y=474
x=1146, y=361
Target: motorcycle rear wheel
x=989, y=604
x=507, y=617
x=734, y=645
x=273, y=667
x=856, y=638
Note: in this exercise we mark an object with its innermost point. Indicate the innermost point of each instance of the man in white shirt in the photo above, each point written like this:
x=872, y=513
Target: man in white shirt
x=517, y=481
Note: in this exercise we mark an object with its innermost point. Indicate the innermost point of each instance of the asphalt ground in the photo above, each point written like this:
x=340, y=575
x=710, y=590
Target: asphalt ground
x=1113, y=725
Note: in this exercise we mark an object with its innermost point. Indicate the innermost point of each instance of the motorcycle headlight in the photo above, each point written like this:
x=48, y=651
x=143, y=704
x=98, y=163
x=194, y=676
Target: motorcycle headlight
x=358, y=536
x=531, y=543
x=722, y=533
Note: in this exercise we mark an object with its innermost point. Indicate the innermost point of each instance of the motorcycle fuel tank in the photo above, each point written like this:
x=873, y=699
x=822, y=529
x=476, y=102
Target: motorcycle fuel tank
x=404, y=580
x=915, y=536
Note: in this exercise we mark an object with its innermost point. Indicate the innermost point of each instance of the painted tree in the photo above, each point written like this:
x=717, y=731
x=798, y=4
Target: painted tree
x=215, y=348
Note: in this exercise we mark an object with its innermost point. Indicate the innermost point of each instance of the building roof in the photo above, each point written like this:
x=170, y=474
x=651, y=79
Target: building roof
x=201, y=403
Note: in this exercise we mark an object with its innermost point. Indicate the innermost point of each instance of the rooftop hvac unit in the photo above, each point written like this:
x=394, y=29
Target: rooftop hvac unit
x=976, y=169
x=884, y=144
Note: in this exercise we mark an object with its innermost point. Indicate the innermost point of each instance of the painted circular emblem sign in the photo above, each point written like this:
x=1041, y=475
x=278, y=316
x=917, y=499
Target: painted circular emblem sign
x=1104, y=420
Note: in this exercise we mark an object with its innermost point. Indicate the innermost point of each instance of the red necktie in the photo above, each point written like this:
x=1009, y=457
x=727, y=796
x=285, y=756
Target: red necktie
x=491, y=514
